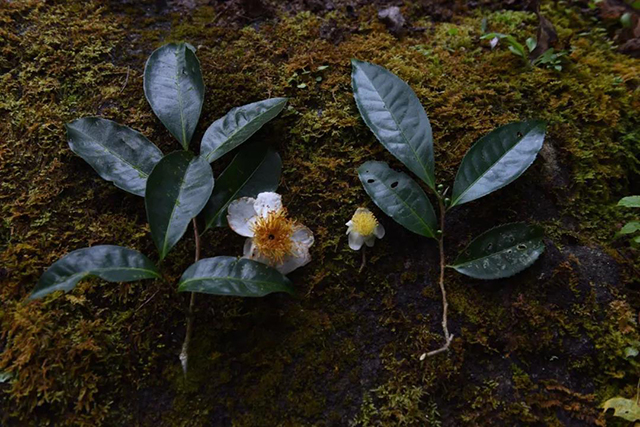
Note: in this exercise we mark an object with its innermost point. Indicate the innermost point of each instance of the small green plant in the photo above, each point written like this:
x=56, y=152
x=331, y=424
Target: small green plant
x=631, y=228
x=394, y=114
x=177, y=187
x=551, y=58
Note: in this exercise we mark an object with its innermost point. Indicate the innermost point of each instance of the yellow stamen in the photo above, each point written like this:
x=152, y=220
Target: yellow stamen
x=364, y=222
x=272, y=235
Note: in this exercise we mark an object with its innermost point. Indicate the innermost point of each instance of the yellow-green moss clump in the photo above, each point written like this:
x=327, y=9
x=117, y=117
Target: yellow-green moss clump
x=543, y=348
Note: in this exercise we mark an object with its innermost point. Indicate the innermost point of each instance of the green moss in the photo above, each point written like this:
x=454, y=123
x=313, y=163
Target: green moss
x=347, y=348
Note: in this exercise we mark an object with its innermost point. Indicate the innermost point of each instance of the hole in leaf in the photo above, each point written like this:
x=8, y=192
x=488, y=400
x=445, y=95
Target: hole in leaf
x=394, y=184
x=521, y=247
x=519, y=134
x=370, y=181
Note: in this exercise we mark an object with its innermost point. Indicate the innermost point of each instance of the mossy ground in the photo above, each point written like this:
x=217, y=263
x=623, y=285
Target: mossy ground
x=543, y=348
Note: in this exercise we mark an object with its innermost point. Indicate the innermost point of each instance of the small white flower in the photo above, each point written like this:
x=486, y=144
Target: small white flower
x=494, y=42
x=273, y=238
x=363, y=228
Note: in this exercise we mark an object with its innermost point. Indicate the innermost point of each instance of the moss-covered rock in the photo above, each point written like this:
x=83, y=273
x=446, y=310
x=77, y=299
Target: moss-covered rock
x=543, y=348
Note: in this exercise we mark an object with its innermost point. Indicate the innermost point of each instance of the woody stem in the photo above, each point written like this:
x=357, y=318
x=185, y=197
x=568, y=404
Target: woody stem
x=447, y=336
x=184, y=354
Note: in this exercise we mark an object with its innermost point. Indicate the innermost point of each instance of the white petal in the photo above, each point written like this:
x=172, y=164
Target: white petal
x=267, y=202
x=379, y=231
x=292, y=262
x=355, y=241
x=247, y=251
x=370, y=240
x=241, y=215
x=302, y=239
x=349, y=226
x=251, y=252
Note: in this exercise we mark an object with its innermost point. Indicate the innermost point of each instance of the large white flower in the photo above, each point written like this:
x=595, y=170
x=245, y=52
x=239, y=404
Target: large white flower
x=273, y=238
x=363, y=228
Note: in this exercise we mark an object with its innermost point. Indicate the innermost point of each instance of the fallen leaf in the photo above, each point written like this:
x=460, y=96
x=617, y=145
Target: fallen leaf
x=627, y=409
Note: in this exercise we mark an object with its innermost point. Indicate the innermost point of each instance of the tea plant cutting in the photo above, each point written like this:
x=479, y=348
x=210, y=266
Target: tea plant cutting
x=177, y=187
x=394, y=114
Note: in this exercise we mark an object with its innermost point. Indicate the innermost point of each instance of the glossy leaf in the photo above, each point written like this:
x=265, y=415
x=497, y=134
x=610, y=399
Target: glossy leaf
x=225, y=275
x=630, y=202
x=400, y=197
x=174, y=88
x=253, y=171
x=394, y=114
x=237, y=126
x=501, y=252
x=119, y=154
x=177, y=190
x=497, y=159
x=110, y=263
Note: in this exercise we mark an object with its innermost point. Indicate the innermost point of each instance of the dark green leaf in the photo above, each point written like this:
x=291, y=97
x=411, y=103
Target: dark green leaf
x=501, y=252
x=174, y=88
x=225, y=275
x=110, y=263
x=254, y=170
x=400, y=197
x=497, y=159
x=177, y=190
x=119, y=154
x=237, y=126
x=630, y=202
x=394, y=114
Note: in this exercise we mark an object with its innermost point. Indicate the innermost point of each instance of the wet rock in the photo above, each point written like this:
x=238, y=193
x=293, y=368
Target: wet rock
x=255, y=9
x=393, y=19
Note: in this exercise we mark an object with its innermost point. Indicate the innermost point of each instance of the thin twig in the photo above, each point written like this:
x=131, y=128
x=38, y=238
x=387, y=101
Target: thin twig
x=126, y=80
x=184, y=354
x=147, y=301
x=447, y=336
x=364, y=259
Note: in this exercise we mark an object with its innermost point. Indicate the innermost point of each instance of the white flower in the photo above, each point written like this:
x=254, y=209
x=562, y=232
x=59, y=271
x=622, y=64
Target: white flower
x=363, y=228
x=273, y=238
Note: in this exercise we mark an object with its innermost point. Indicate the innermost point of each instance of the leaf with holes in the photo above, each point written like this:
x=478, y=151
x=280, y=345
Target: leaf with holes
x=400, y=197
x=626, y=409
x=501, y=252
x=108, y=262
x=497, y=159
x=237, y=126
x=177, y=190
x=174, y=88
x=394, y=114
x=252, y=171
x=119, y=154
x=225, y=275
